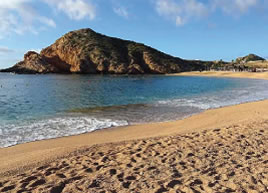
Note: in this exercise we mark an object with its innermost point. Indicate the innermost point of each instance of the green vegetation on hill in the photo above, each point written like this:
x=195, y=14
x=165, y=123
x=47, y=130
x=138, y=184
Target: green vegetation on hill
x=248, y=58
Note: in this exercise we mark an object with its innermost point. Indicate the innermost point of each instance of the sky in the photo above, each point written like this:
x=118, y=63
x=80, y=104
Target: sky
x=189, y=29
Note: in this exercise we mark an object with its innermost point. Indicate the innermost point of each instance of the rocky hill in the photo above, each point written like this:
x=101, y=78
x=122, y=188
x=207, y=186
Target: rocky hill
x=248, y=58
x=85, y=51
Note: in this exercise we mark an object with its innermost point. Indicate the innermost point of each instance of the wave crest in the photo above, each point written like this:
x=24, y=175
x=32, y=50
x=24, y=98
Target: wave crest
x=12, y=134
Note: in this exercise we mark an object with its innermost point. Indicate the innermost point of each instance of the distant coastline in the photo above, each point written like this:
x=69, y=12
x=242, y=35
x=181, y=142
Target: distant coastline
x=227, y=74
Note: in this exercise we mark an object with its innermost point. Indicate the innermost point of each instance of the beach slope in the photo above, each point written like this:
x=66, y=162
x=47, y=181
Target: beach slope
x=220, y=150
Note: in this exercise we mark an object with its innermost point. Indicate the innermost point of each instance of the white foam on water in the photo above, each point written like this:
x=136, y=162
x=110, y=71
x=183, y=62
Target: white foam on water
x=218, y=100
x=12, y=134
x=185, y=103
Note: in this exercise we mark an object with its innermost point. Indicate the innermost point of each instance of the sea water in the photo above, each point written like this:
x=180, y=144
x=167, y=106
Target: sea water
x=36, y=107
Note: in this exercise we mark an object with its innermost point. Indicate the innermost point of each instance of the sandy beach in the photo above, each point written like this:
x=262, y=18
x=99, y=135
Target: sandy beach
x=254, y=75
x=156, y=96
x=219, y=150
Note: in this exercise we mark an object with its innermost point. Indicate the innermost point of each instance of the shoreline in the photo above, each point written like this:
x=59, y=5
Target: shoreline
x=218, y=150
x=227, y=74
x=21, y=157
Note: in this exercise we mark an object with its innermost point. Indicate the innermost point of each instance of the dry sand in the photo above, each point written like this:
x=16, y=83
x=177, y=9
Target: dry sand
x=228, y=159
x=219, y=150
x=254, y=75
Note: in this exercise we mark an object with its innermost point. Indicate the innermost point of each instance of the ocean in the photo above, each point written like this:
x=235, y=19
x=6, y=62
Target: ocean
x=37, y=107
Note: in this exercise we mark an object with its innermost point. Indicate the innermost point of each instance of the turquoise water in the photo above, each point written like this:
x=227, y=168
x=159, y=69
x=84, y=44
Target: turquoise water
x=35, y=107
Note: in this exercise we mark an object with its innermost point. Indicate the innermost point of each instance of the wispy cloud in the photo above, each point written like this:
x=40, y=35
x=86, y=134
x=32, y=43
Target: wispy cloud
x=234, y=7
x=47, y=21
x=5, y=50
x=121, y=11
x=18, y=16
x=182, y=11
x=74, y=9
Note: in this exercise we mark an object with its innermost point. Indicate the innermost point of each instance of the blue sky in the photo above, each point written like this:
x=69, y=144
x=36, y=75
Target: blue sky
x=190, y=29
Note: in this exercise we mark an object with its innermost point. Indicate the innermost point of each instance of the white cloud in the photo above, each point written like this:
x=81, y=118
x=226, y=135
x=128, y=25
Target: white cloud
x=47, y=21
x=12, y=4
x=234, y=7
x=18, y=16
x=121, y=11
x=74, y=9
x=181, y=11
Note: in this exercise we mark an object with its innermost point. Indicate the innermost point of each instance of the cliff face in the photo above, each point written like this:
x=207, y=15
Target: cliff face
x=32, y=63
x=85, y=51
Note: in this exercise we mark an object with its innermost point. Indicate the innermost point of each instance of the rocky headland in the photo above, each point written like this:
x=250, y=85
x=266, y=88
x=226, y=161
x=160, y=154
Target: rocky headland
x=87, y=52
